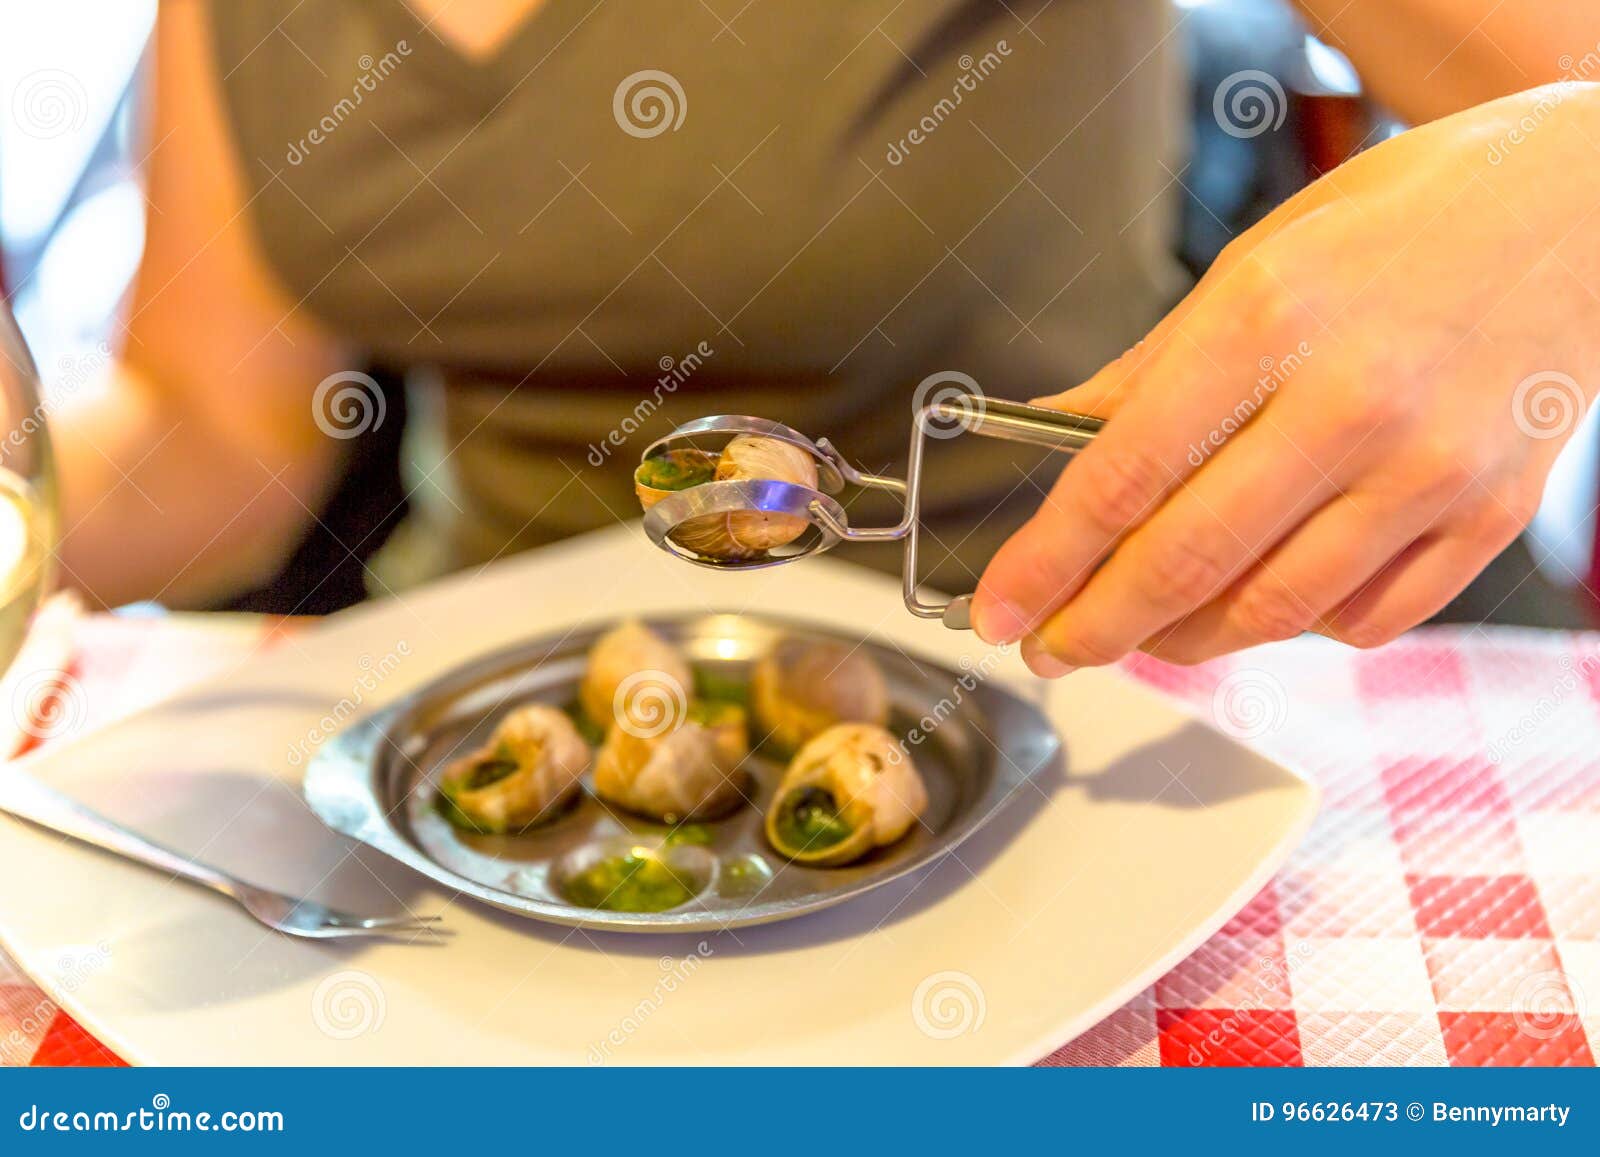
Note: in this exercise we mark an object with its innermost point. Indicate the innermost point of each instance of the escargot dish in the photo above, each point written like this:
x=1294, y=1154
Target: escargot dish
x=690, y=770
x=631, y=662
x=846, y=792
x=525, y=774
x=802, y=687
x=742, y=534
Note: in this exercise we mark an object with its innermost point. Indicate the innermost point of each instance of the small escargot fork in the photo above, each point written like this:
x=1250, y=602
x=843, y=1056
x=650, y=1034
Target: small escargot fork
x=946, y=414
x=27, y=799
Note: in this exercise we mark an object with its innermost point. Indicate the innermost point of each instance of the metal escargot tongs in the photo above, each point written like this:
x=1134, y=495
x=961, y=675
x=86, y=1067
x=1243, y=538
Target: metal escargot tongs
x=949, y=413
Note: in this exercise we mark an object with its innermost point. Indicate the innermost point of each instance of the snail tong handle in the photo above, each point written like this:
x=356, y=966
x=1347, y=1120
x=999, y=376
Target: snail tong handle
x=990, y=418
x=1016, y=422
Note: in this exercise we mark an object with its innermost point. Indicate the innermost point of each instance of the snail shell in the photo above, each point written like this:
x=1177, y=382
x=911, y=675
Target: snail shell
x=632, y=655
x=846, y=792
x=741, y=534
x=524, y=775
x=802, y=687
x=691, y=772
x=672, y=471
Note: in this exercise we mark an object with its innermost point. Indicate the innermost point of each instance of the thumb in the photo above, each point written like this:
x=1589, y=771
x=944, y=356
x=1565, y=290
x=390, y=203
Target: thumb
x=1115, y=384
x=1103, y=394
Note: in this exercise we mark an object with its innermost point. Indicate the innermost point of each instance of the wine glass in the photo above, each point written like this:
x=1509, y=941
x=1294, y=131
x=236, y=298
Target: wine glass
x=27, y=490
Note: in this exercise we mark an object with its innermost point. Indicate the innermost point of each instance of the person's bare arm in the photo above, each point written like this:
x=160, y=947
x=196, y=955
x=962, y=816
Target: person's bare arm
x=194, y=472
x=1429, y=58
x=1349, y=417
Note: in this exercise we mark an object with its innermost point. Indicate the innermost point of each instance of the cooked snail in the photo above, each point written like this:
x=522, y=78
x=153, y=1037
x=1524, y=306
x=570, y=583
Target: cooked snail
x=688, y=769
x=632, y=663
x=846, y=792
x=741, y=534
x=524, y=775
x=802, y=687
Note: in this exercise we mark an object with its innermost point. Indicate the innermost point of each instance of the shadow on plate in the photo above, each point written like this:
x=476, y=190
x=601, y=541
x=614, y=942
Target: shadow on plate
x=1166, y=773
x=258, y=828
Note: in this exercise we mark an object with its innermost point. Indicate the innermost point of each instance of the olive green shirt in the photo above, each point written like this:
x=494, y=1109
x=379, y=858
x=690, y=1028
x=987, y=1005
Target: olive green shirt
x=633, y=214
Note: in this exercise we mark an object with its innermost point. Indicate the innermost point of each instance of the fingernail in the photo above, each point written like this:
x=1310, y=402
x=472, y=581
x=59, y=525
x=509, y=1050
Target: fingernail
x=999, y=622
x=1050, y=667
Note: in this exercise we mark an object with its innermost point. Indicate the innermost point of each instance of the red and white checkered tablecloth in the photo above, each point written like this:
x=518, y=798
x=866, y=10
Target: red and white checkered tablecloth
x=1444, y=909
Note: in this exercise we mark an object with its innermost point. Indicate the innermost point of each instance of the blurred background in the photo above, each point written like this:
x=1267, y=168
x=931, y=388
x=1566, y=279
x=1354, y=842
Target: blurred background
x=71, y=231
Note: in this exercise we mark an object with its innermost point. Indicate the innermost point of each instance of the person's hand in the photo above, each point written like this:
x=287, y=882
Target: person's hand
x=1349, y=417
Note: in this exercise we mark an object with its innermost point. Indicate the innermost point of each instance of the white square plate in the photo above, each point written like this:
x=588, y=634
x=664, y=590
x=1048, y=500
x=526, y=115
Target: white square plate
x=1081, y=892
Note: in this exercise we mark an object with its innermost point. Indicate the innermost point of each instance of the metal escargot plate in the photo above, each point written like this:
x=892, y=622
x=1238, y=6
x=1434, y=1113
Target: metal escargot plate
x=1114, y=862
x=974, y=744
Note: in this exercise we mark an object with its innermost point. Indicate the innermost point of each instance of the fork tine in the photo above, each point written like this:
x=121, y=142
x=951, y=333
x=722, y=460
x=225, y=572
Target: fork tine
x=387, y=923
x=425, y=934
